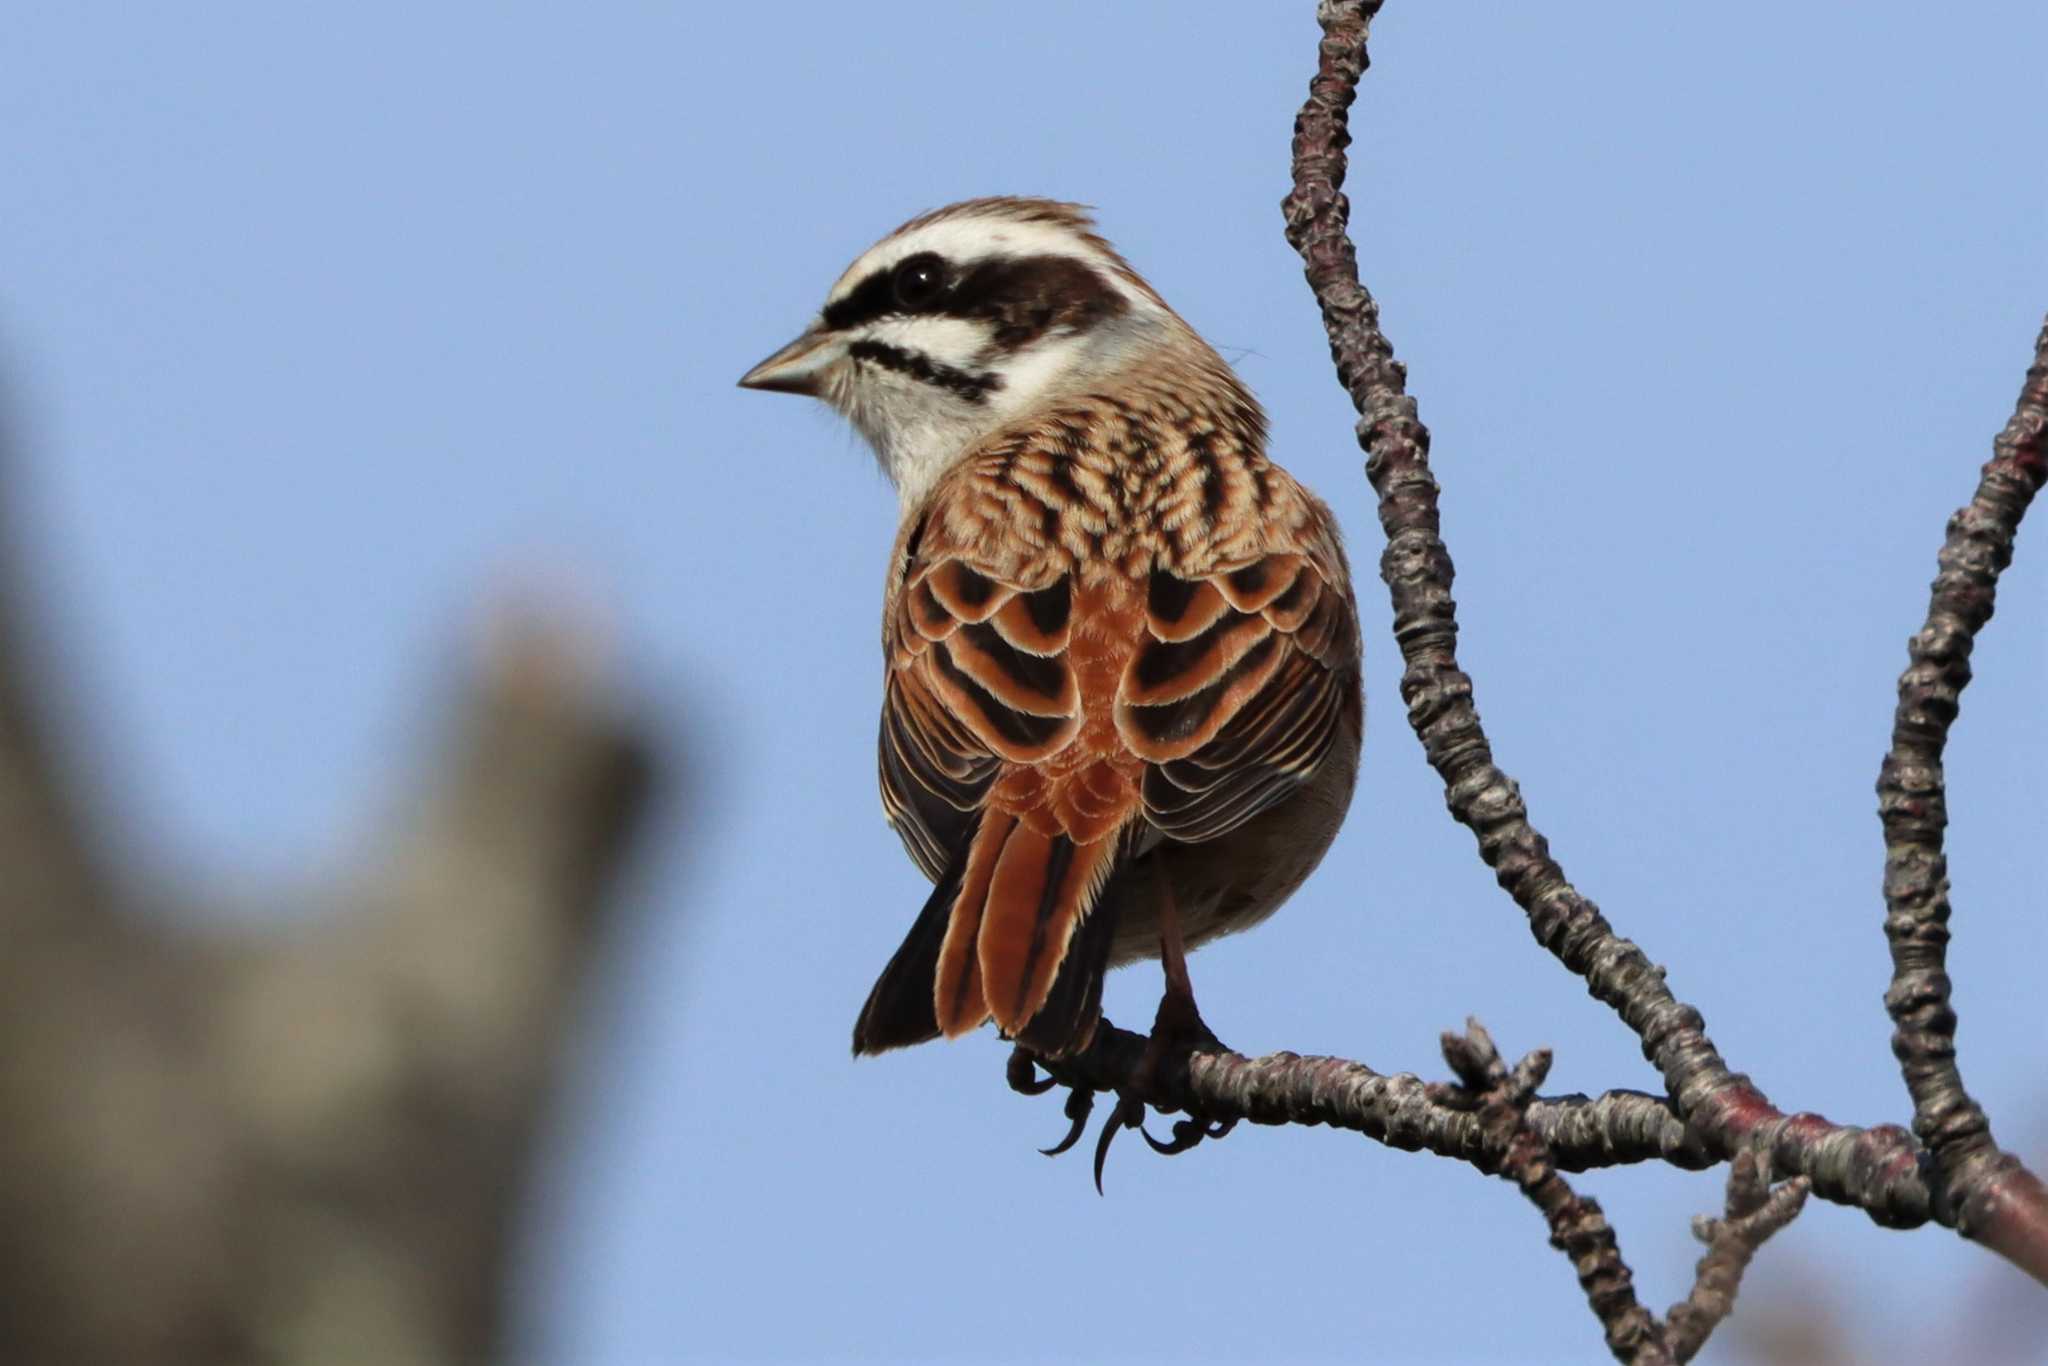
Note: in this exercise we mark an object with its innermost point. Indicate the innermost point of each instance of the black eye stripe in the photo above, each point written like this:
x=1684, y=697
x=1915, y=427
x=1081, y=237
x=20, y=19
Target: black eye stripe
x=971, y=387
x=874, y=297
x=1027, y=296
x=1022, y=296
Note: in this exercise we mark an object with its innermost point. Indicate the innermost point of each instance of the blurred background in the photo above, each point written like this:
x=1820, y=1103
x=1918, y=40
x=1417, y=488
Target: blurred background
x=325, y=335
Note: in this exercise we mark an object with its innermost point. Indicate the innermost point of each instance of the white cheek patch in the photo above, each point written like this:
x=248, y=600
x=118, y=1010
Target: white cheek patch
x=950, y=341
x=1032, y=371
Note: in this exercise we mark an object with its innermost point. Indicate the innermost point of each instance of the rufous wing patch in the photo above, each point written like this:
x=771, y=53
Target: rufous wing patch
x=1171, y=671
x=928, y=616
x=1250, y=587
x=1037, y=685
x=992, y=656
x=964, y=592
x=1179, y=609
x=1037, y=622
x=1174, y=722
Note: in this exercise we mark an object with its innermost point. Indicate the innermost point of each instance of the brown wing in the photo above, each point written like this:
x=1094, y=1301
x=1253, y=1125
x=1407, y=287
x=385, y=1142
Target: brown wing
x=976, y=676
x=1235, y=696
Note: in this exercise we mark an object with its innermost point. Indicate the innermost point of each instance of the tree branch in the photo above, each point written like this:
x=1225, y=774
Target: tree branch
x=1877, y=1169
x=1993, y=1196
x=1722, y=1108
x=1618, y=1128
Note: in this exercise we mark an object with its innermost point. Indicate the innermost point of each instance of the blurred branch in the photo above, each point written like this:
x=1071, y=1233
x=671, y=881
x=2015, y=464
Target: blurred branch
x=307, y=1143
x=53, y=881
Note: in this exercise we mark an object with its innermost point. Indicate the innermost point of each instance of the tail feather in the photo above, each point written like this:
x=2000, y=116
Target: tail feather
x=1066, y=1022
x=959, y=996
x=1018, y=928
x=899, y=1011
x=1043, y=889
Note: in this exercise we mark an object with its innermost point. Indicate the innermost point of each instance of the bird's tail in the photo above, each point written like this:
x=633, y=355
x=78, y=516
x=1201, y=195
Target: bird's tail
x=1018, y=929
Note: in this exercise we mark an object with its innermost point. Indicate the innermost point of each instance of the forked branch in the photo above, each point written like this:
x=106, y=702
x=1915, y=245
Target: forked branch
x=1500, y=1097
x=1984, y=1194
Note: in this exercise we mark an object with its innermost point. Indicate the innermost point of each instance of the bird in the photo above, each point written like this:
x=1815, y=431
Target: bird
x=1122, y=705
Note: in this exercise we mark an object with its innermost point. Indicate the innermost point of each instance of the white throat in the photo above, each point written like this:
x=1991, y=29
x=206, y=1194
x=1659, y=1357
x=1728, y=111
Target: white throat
x=918, y=434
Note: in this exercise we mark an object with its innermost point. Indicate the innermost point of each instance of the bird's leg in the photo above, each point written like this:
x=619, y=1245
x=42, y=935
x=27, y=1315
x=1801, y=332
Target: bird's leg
x=1177, y=1028
x=1179, y=1020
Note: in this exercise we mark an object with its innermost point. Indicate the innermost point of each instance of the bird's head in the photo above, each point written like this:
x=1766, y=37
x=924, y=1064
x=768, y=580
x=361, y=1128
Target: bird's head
x=965, y=319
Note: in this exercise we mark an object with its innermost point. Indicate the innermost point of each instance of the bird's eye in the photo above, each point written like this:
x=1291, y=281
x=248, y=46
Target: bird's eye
x=919, y=281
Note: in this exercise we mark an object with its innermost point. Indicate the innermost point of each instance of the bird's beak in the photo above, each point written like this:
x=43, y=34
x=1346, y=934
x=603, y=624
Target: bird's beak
x=798, y=368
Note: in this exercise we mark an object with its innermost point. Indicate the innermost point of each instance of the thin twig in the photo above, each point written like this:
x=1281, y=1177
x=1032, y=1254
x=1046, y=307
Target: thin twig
x=1754, y=1213
x=1578, y=1228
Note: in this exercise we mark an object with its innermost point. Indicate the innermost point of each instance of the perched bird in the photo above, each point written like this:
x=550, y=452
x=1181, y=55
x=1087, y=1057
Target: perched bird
x=1121, y=708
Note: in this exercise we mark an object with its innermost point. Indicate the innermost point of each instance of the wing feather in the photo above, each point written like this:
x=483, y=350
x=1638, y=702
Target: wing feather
x=1238, y=715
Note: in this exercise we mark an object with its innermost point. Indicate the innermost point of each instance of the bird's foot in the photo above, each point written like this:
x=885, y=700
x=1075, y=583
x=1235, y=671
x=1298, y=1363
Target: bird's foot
x=1178, y=1031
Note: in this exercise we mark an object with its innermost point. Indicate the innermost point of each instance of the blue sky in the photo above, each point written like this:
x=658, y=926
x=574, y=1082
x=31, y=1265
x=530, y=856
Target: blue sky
x=329, y=328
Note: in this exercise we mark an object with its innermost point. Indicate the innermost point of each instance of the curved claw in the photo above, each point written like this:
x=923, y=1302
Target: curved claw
x=1129, y=1114
x=1023, y=1074
x=1080, y=1103
x=1187, y=1133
